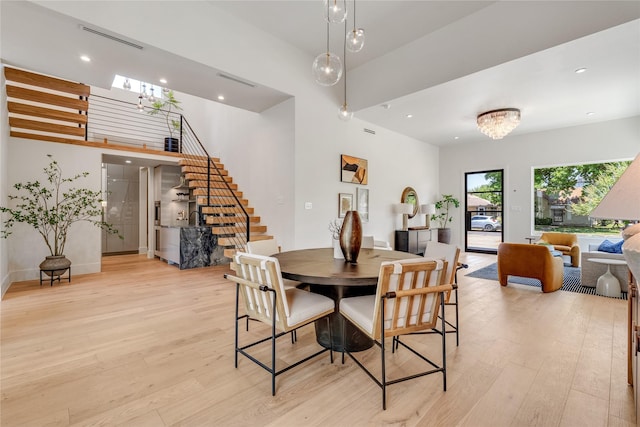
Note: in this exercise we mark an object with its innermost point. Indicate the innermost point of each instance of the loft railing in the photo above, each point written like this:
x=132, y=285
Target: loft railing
x=120, y=122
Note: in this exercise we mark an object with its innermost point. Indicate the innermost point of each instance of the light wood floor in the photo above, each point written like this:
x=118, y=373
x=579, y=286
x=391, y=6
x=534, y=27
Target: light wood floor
x=144, y=344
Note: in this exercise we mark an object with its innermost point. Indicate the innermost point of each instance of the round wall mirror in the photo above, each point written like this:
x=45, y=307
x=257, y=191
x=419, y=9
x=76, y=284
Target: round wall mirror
x=409, y=195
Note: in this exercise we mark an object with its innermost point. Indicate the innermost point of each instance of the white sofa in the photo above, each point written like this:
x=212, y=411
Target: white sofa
x=590, y=271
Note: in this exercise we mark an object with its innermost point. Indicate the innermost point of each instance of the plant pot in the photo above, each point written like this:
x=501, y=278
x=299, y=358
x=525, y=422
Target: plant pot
x=351, y=237
x=55, y=265
x=172, y=145
x=444, y=235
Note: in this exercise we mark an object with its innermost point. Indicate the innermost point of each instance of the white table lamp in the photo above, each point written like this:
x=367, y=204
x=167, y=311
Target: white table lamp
x=428, y=209
x=404, y=209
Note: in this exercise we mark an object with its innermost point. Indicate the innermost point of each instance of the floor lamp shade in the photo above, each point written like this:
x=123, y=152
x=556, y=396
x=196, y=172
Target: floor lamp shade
x=623, y=202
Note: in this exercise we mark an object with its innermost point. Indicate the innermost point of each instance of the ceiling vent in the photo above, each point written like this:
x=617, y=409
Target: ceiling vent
x=235, y=79
x=110, y=37
x=372, y=132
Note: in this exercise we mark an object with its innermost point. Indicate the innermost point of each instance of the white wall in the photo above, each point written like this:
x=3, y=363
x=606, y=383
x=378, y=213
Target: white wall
x=27, y=248
x=518, y=155
x=319, y=137
x=4, y=181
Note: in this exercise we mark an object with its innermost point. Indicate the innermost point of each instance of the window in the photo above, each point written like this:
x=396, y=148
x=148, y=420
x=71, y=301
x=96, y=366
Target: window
x=564, y=196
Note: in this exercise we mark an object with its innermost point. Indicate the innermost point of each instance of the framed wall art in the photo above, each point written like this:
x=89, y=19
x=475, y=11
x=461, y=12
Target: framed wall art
x=345, y=204
x=362, y=201
x=353, y=169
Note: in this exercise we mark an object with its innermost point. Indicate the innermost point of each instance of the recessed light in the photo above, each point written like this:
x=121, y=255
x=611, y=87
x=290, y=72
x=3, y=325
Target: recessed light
x=220, y=97
x=386, y=106
x=580, y=70
x=409, y=116
x=163, y=81
x=456, y=137
x=127, y=161
x=85, y=58
x=590, y=113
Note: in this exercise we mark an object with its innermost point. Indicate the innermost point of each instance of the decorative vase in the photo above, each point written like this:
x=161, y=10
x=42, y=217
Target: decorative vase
x=337, y=250
x=55, y=265
x=351, y=236
x=444, y=235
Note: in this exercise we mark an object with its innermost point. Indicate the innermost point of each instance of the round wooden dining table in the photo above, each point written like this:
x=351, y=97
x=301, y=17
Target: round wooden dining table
x=337, y=279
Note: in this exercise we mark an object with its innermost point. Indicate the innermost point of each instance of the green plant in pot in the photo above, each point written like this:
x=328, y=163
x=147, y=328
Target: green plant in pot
x=51, y=207
x=443, y=218
x=165, y=107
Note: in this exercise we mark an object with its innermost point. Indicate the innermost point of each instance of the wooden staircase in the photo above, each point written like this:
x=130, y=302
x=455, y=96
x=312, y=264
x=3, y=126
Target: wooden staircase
x=50, y=109
x=224, y=212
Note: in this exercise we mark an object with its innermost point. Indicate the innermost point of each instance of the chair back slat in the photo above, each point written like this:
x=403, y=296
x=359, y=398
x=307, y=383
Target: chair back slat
x=259, y=270
x=415, y=283
x=449, y=253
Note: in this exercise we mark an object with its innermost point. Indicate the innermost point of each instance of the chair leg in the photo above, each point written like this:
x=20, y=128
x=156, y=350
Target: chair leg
x=330, y=340
x=444, y=345
x=457, y=321
x=236, y=349
x=382, y=350
x=344, y=332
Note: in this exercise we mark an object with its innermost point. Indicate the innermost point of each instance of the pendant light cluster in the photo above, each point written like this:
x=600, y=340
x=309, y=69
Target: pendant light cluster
x=328, y=67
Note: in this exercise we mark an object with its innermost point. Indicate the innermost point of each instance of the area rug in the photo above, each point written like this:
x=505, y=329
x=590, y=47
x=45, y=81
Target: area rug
x=570, y=283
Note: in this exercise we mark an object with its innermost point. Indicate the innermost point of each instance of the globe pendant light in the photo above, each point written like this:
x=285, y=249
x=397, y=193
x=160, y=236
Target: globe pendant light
x=327, y=67
x=355, y=38
x=152, y=97
x=344, y=113
x=335, y=11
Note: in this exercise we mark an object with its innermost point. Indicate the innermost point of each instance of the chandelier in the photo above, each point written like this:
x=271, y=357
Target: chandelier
x=497, y=124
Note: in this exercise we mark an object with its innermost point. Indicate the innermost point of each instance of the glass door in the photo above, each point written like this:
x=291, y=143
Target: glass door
x=484, y=211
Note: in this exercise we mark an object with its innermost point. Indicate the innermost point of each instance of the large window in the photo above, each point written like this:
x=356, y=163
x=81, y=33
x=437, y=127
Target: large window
x=564, y=196
x=483, y=211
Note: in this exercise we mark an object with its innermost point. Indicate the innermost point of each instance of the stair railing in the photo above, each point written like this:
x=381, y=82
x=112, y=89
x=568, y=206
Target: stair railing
x=120, y=122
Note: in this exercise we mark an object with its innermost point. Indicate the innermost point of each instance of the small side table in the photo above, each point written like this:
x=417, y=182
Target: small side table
x=608, y=284
x=56, y=277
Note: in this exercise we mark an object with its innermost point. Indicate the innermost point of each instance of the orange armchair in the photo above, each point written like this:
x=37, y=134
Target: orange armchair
x=567, y=243
x=536, y=261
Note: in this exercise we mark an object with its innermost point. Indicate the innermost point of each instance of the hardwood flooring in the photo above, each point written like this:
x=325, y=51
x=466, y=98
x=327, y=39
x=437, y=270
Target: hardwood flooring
x=145, y=344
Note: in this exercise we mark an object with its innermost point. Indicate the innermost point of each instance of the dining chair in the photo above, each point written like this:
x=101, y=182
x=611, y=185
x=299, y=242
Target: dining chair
x=367, y=242
x=451, y=254
x=259, y=281
x=408, y=298
x=268, y=247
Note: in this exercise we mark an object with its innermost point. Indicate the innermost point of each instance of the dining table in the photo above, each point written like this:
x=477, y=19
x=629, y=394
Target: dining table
x=335, y=278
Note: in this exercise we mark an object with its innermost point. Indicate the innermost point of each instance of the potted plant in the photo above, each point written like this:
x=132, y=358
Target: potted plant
x=164, y=108
x=443, y=218
x=51, y=207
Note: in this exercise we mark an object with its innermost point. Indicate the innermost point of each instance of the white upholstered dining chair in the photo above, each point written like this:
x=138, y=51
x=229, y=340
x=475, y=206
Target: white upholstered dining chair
x=407, y=300
x=259, y=281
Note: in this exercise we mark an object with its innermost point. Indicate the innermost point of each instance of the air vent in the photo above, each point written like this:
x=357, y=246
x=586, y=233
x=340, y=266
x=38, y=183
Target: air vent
x=235, y=79
x=110, y=37
x=372, y=132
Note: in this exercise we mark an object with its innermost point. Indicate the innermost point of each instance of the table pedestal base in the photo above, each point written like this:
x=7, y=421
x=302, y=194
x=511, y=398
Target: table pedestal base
x=355, y=340
x=608, y=285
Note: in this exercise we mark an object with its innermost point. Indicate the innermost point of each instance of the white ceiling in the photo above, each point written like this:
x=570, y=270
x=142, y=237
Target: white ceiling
x=444, y=62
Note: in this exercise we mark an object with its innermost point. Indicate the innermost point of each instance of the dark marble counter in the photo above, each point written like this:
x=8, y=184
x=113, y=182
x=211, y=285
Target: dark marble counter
x=199, y=248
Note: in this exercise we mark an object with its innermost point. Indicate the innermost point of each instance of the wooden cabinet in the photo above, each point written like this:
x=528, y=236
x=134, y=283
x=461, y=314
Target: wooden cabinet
x=413, y=241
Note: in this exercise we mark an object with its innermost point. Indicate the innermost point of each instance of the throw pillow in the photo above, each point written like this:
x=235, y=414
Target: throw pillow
x=610, y=247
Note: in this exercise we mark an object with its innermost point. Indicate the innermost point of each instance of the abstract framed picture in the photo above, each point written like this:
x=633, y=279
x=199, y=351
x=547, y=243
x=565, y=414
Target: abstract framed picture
x=354, y=169
x=345, y=204
x=362, y=201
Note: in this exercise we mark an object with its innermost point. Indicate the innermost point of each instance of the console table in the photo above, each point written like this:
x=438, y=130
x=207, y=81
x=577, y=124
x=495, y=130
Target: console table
x=412, y=241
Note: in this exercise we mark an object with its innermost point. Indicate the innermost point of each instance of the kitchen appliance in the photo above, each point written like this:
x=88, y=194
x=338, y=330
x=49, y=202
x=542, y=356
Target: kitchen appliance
x=156, y=213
